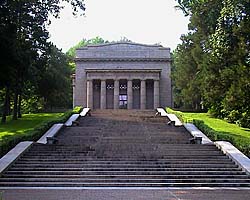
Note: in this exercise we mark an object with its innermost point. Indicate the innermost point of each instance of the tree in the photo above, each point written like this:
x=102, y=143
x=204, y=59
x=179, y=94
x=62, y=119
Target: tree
x=186, y=76
x=220, y=34
x=55, y=84
x=71, y=53
x=24, y=35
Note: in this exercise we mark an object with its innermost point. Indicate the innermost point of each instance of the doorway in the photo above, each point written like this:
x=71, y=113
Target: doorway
x=123, y=101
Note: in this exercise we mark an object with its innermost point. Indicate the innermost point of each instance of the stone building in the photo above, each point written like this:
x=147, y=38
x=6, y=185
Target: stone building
x=122, y=75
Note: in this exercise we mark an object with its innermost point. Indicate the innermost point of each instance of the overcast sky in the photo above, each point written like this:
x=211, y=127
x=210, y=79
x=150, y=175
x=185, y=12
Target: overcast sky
x=142, y=21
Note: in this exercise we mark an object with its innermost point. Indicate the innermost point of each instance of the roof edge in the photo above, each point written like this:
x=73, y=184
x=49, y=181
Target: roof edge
x=117, y=43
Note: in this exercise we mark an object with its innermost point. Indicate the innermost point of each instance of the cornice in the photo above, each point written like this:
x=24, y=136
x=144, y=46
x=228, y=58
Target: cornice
x=124, y=70
x=122, y=59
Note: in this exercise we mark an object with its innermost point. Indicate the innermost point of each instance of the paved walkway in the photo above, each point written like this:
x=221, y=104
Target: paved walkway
x=127, y=194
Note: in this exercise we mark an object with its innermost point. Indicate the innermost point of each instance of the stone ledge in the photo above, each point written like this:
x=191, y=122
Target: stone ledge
x=171, y=117
x=73, y=117
x=195, y=132
x=14, y=154
x=162, y=112
x=50, y=133
x=85, y=111
x=233, y=153
x=119, y=59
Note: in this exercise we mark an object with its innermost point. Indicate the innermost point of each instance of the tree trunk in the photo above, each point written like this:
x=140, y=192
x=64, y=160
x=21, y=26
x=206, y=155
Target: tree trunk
x=14, y=117
x=19, y=114
x=6, y=105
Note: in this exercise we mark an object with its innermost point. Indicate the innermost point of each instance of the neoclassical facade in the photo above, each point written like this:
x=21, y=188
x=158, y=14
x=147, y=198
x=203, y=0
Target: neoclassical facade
x=122, y=75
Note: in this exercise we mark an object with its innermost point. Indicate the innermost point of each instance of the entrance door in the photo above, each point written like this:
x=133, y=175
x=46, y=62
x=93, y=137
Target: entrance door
x=123, y=101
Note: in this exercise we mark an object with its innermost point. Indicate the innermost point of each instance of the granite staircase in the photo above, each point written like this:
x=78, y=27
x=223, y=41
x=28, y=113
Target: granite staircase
x=124, y=149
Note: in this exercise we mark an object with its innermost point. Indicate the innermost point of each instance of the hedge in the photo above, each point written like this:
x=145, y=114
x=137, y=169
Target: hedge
x=241, y=142
x=11, y=141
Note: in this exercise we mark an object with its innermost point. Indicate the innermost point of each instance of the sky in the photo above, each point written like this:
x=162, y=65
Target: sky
x=141, y=21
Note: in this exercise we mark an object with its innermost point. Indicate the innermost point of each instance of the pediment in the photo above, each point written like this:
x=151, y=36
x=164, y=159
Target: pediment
x=122, y=50
x=121, y=46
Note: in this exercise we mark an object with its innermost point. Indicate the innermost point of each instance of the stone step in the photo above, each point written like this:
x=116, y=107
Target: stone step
x=103, y=160
x=127, y=134
x=110, y=173
x=101, y=176
x=146, y=146
x=125, y=146
x=120, y=153
x=122, y=138
x=124, y=149
x=130, y=152
x=73, y=168
x=125, y=162
x=123, y=157
x=126, y=180
x=119, y=184
x=122, y=166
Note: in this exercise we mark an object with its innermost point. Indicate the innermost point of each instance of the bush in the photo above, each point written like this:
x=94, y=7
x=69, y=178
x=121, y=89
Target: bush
x=77, y=109
x=9, y=141
x=244, y=121
x=241, y=142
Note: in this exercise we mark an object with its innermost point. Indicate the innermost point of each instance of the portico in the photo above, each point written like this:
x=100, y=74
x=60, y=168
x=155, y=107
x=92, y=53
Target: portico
x=122, y=76
x=127, y=89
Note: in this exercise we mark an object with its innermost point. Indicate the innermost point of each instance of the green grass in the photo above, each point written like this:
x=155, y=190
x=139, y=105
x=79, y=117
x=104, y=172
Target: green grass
x=29, y=128
x=218, y=124
x=26, y=124
x=218, y=129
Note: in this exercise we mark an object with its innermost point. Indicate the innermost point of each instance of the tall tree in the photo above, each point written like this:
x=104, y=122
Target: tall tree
x=23, y=34
x=220, y=35
x=55, y=84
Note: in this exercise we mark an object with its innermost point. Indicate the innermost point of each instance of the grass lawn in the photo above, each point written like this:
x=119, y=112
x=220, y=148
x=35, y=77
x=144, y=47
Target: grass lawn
x=218, y=129
x=25, y=124
x=218, y=124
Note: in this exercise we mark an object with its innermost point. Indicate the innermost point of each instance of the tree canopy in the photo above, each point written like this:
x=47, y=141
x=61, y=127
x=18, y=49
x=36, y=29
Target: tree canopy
x=212, y=63
x=25, y=51
x=71, y=53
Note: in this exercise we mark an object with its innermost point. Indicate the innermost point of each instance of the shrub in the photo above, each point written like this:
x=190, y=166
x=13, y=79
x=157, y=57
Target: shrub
x=241, y=142
x=9, y=141
x=244, y=121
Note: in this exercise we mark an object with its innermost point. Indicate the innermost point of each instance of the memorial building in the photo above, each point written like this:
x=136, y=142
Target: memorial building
x=122, y=76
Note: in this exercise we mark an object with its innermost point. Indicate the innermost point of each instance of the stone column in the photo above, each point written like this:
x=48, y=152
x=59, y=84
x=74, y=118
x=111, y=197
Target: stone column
x=90, y=94
x=156, y=94
x=143, y=94
x=73, y=86
x=116, y=94
x=103, y=94
x=130, y=94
